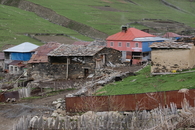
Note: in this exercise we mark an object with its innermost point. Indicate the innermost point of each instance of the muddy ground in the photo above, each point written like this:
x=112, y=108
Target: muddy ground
x=10, y=113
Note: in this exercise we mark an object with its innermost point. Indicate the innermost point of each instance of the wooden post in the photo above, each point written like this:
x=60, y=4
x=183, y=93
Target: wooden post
x=67, y=67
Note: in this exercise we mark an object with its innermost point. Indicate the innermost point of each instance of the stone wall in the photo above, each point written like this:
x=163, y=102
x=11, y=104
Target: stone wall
x=112, y=55
x=166, y=60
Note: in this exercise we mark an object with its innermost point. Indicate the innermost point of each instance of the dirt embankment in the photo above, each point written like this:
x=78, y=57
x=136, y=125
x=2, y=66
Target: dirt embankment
x=55, y=18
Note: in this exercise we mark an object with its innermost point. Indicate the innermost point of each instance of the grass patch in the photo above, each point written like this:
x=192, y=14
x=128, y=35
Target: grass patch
x=58, y=91
x=143, y=82
x=34, y=97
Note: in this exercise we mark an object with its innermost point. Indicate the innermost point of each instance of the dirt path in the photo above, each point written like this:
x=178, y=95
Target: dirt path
x=11, y=113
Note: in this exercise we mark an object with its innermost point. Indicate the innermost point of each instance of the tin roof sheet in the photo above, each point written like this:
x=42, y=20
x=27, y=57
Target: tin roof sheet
x=23, y=47
x=41, y=52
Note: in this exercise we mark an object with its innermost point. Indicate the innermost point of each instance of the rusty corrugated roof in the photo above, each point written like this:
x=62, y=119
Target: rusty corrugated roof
x=171, y=35
x=18, y=63
x=41, y=52
x=76, y=50
x=130, y=34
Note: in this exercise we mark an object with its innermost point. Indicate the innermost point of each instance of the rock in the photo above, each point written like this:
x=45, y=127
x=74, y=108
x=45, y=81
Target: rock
x=60, y=111
x=54, y=114
x=59, y=99
x=8, y=100
x=13, y=100
x=69, y=95
x=54, y=102
x=58, y=105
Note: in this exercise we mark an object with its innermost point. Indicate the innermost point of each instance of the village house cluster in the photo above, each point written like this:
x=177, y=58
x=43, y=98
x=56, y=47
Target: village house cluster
x=81, y=59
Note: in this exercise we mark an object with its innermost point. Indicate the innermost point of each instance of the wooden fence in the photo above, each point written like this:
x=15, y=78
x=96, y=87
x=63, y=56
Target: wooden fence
x=131, y=102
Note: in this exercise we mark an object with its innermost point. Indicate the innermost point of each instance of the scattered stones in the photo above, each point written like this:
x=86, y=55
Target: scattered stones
x=10, y=100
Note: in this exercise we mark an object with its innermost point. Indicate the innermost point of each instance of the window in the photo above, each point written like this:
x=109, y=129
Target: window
x=136, y=44
x=111, y=43
x=16, y=68
x=11, y=68
x=128, y=44
x=119, y=44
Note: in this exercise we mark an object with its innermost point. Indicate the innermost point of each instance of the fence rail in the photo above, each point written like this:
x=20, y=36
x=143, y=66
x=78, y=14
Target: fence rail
x=131, y=102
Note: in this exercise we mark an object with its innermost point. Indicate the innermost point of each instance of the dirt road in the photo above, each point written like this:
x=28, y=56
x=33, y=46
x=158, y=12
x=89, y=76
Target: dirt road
x=10, y=113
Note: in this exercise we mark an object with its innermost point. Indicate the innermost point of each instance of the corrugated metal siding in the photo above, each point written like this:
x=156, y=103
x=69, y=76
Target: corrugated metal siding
x=5, y=96
x=143, y=101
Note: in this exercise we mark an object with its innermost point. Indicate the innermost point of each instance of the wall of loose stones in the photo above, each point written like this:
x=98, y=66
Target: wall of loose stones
x=166, y=60
x=112, y=55
x=58, y=70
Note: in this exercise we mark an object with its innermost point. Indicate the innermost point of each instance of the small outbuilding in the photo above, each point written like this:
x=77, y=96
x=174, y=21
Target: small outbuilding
x=172, y=56
x=21, y=52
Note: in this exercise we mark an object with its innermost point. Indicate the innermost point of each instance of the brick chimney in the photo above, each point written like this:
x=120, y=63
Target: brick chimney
x=124, y=29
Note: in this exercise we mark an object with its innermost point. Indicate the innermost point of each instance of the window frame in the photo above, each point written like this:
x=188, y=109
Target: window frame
x=136, y=44
x=119, y=44
x=111, y=43
x=128, y=44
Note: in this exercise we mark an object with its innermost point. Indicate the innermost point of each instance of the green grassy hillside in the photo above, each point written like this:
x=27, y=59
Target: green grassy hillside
x=15, y=23
x=143, y=82
x=104, y=15
x=96, y=13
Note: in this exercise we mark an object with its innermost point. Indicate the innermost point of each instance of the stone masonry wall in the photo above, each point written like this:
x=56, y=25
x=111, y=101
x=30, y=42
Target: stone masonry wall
x=58, y=70
x=166, y=60
x=112, y=55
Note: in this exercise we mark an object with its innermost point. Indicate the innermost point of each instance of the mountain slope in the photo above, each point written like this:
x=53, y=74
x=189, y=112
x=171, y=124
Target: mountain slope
x=94, y=19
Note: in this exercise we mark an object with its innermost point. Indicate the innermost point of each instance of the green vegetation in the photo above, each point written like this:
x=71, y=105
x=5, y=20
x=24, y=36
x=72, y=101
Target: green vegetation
x=58, y=91
x=143, y=82
x=15, y=23
x=106, y=16
x=97, y=15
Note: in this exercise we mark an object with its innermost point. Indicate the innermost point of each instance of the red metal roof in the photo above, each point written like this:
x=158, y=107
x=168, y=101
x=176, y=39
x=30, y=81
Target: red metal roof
x=171, y=34
x=41, y=52
x=130, y=34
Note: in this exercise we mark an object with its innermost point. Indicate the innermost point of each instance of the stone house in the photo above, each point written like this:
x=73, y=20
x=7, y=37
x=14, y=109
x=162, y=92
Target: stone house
x=40, y=60
x=172, y=56
x=76, y=61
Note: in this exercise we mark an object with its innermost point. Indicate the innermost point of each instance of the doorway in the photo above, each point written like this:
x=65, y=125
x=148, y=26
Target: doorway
x=86, y=72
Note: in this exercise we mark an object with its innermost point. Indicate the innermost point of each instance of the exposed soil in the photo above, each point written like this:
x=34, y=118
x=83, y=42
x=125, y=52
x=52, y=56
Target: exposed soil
x=11, y=113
